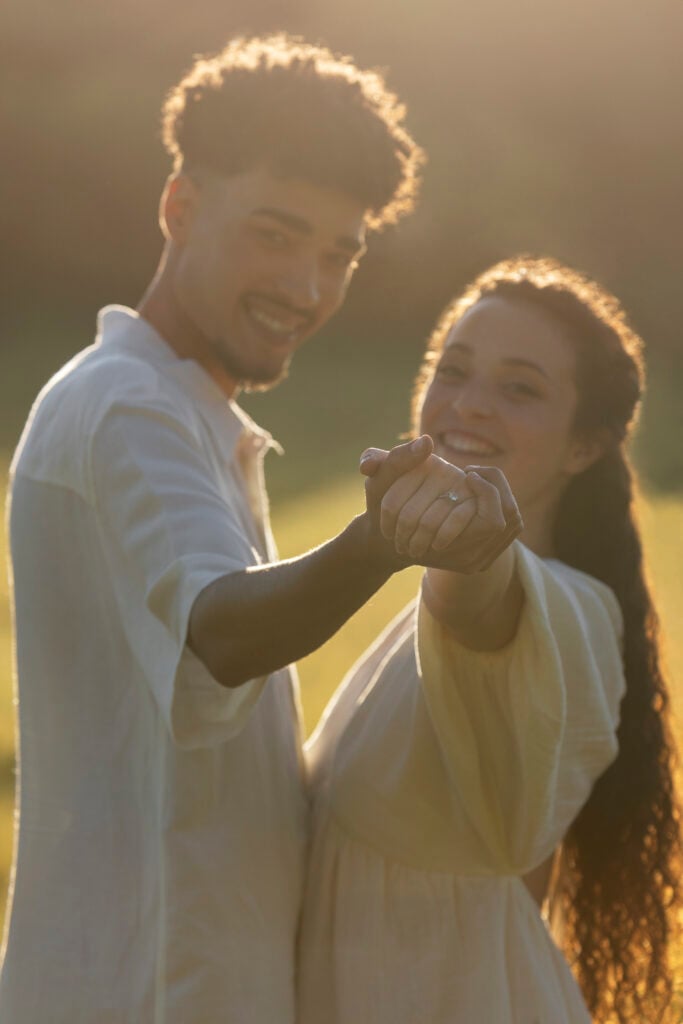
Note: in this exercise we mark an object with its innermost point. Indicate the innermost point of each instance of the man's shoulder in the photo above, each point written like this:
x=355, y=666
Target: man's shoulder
x=71, y=406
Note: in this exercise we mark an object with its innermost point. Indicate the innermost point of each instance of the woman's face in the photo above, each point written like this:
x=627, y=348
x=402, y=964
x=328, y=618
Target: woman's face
x=504, y=394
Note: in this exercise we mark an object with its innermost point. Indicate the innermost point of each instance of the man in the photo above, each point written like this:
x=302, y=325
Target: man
x=162, y=812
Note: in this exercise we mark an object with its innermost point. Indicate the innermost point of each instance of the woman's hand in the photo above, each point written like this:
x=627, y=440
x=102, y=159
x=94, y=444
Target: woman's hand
x=436, y=514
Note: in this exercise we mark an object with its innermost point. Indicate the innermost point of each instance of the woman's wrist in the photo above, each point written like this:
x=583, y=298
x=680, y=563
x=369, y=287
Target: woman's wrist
x=480, y=609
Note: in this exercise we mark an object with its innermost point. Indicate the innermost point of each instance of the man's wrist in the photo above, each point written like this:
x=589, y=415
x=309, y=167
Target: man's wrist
x=370, y=550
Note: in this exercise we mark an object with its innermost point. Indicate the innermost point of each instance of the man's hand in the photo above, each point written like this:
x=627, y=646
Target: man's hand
x=436, y=514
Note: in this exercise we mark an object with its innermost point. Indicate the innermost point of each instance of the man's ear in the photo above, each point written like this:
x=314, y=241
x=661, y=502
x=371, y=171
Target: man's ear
x=178, y=207
x=584, y=451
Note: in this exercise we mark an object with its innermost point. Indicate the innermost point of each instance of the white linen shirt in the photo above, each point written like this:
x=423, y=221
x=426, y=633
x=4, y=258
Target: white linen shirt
x=161, y=827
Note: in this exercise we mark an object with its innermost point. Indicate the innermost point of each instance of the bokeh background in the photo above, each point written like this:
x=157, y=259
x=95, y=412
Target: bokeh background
x=551, y=127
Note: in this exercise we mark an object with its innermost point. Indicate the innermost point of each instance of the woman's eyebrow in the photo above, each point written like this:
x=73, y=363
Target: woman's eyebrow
x=467, y=350
x=527, y=363
x=458, y=346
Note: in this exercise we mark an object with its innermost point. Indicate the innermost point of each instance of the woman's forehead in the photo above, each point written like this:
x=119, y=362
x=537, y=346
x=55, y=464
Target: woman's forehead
x=497, y=324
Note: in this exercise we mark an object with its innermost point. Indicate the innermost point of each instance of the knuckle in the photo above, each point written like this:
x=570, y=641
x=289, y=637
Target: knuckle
x=391, y=505
x=406, y=517
x=417, y=546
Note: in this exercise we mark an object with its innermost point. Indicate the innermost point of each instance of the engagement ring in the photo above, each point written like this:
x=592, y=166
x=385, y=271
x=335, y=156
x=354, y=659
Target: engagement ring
x=451, y=496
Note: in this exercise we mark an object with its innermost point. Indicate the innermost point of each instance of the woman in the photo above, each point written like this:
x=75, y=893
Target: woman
x=498, y=768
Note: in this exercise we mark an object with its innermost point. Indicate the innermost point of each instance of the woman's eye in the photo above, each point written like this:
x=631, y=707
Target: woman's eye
x=450, y=372
x=521, y=389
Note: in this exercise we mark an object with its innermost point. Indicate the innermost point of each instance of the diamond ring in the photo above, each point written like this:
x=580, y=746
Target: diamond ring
x=450, y=496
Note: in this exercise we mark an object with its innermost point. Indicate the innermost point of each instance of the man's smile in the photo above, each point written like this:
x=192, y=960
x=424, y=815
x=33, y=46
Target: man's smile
x=277, y=318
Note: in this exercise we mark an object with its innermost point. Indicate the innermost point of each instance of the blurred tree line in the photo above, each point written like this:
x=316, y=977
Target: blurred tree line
x=550, y=127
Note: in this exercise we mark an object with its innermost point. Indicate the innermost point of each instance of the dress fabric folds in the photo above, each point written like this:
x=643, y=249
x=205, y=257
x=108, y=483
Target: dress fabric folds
x=441, y=777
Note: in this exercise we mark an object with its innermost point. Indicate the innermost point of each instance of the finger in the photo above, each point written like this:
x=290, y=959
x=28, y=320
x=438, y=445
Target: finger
x=493, y=530
x=513, y=518
x=496, y=477
x=396, y=462
x=455, y=523
x=489, y=504
x=402, y=458
x=399, y=461
x=371, y=460
x=479, y=537
x=427, y=528
x=439, y=479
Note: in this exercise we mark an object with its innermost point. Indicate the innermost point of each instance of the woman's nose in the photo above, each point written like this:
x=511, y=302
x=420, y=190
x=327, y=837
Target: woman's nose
x=473, y=398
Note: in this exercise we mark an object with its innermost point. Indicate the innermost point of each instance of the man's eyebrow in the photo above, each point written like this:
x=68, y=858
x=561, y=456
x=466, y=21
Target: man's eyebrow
x=354, y=246
x=290, y=220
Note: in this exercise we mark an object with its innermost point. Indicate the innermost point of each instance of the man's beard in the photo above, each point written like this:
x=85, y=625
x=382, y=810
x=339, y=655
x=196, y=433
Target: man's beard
x=248, y=377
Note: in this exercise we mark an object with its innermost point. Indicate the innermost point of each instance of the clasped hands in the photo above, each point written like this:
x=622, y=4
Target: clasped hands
x=437, y=515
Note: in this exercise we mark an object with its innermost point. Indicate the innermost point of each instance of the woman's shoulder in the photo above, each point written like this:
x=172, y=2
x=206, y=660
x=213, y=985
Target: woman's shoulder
x=588, y=591
x=559, y=591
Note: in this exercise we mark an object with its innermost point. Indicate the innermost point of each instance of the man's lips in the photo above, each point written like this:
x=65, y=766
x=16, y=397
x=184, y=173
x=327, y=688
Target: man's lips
x=276, y=318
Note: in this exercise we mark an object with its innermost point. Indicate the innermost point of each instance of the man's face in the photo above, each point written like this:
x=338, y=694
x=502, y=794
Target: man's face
x=259, y=265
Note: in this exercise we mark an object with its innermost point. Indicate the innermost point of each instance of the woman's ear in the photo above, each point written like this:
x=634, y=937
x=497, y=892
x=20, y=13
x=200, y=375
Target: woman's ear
x=178, y=207
x=585, y=450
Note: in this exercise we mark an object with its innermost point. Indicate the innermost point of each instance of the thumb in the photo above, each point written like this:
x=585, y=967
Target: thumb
x=371, y=460
x=402, y=459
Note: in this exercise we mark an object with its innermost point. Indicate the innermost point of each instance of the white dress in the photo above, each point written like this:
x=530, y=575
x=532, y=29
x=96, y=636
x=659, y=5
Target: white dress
x=441, y=777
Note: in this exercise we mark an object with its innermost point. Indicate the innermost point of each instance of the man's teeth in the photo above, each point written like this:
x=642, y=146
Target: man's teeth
x=469, y=445
x=271, y=323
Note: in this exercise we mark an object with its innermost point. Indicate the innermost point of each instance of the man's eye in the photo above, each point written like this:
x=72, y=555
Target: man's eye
x=272, y=236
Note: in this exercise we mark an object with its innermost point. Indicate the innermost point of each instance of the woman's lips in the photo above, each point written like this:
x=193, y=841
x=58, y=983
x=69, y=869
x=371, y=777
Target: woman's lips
x=468, y=444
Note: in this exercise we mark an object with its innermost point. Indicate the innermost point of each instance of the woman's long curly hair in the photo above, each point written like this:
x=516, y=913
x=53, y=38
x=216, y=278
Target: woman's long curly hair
x=617, y=890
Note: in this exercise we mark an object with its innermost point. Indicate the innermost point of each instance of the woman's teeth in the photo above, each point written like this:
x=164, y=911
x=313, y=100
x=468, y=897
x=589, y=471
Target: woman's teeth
x=470, y=445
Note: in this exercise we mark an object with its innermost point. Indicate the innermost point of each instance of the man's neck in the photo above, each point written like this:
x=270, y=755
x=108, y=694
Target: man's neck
x=160, y=309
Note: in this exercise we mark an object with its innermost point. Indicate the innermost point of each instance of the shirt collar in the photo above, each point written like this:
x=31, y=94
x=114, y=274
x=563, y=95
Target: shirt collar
x=125, y=329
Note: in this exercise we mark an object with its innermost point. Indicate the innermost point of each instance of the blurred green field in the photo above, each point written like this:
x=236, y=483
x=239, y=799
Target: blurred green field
x=302, y=522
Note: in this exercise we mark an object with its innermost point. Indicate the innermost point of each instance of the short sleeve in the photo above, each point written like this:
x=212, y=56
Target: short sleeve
x=169, y=530
x=524, y=732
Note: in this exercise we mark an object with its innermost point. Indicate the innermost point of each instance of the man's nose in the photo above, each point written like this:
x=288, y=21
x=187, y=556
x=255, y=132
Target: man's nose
x=300, y=284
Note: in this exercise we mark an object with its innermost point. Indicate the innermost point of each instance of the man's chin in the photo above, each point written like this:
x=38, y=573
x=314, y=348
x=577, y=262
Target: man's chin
x=250, y=378
x=265, y=382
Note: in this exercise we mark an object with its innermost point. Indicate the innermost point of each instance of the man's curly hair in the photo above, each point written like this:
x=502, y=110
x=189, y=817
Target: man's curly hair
x=302, y=112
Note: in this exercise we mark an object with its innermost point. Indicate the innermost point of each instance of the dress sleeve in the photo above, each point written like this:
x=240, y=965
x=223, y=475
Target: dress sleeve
x=168, y=532
x=525, y=731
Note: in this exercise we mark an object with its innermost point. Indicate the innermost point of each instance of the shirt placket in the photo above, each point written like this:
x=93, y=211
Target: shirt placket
x=250, y=454
x=251, y=449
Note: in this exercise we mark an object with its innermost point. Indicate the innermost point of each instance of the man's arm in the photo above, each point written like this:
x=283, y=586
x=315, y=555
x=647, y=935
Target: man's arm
x=249, y=623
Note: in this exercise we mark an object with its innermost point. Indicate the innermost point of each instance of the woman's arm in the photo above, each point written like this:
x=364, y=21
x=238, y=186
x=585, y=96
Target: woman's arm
x=481, y=611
